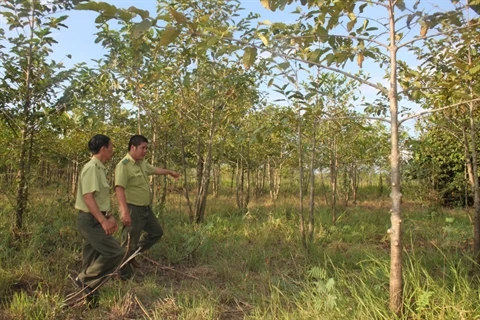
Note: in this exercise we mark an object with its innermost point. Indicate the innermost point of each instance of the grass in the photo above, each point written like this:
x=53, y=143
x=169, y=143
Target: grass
x=249, y=266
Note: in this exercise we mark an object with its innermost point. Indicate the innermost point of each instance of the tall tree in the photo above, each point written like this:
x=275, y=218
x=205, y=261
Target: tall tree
x=31, y=80
x=441, y=81
x=326, y=35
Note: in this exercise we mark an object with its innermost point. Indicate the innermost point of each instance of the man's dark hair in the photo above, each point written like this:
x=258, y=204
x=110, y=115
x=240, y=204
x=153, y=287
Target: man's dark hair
x=97, y=142
x=136, y=140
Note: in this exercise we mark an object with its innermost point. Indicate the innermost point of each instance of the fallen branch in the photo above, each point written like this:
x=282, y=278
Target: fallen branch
x=168, y=268
x=103, y=279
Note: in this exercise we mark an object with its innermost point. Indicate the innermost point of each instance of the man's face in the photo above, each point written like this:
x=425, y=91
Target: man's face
x=139, y=152
x=108, y=151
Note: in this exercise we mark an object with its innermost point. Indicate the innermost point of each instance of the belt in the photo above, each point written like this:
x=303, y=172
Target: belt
x=147, y=206
x=105, y=213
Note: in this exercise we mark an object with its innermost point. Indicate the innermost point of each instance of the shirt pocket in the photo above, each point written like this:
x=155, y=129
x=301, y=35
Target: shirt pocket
x=137, y=177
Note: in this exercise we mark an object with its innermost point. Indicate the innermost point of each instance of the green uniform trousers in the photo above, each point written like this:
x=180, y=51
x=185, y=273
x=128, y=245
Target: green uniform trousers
x=101, y=253
x=143, y=219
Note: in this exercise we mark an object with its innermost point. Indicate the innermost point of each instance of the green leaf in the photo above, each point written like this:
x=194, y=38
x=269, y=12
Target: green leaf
x=322, y=33
x=186, y=81
x=362, y=7
x=400, y=4
x=142, y=13
x=474, y=70
x=179, y=17
x=212, y=41
x=409, y=20
x=140, y=28
x=249, y=56
x=93, y=6
x=124, y=15
x=415, y=6
x=168, y=36
x=314, y=56
x=266, y=4
x=284, y=65
x=350, y=25
x=423, y=30
x=264, y=39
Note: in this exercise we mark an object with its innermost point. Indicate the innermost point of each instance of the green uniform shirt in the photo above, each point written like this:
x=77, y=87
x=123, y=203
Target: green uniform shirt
x=93, y=178
x=133, y=177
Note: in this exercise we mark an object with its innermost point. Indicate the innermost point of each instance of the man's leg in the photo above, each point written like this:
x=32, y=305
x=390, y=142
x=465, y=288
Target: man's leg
x=153, y=231
x=131, y=235
x=105, y=253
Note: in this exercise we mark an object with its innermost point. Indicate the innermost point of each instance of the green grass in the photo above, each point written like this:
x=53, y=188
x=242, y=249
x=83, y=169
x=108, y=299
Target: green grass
x=250, y=266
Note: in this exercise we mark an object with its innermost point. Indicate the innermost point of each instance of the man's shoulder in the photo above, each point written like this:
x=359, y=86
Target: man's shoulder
x=90, y=164
x=125, y=161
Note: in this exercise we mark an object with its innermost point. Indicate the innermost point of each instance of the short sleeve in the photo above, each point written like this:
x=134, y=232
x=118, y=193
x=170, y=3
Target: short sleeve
x=149, y=168
x=121, y=175
x=90, y=181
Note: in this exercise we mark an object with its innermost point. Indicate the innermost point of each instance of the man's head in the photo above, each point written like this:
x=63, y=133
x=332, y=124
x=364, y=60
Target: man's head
x=101, y=145
x=138, y=147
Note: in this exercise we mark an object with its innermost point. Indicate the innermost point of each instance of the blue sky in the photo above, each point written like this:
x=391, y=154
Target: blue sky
x=78, y=39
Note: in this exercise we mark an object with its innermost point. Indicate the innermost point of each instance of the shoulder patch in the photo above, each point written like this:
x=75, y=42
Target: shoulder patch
x=125, y=161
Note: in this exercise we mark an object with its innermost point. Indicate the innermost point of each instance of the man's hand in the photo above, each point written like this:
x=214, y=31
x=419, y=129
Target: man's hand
x=109, y=225
x=125, y=218
x=174, y=174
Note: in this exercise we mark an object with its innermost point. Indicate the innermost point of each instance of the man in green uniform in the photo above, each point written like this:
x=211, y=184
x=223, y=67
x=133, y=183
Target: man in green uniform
x=101, y=253
x=134, y=197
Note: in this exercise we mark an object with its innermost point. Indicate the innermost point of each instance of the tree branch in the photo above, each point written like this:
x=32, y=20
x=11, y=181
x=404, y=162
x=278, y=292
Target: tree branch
x=274, y=52
x=435, y=110
x=436, y=35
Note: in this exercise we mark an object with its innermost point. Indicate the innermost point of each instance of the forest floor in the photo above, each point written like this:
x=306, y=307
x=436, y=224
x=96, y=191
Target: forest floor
x=249, y=266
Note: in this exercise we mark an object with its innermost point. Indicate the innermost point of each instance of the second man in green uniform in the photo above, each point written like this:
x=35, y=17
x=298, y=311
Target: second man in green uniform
x=134, y=196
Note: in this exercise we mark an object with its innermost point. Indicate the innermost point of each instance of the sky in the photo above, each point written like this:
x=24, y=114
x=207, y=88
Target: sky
x=78, y=39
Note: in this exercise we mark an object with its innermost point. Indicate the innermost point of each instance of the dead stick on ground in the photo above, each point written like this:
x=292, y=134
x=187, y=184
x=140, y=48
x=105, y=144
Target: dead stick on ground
x=142, y=307
x=104, y=279
x=168, y=268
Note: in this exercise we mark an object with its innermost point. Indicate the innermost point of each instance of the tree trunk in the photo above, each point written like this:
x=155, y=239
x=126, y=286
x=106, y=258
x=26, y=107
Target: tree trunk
x=153, y=153
x=216, y=179
x=396, y=278
x=274, y=179
x=240, y=185
x=22, y=178
x=311, y=217
x=300, y=179
x=232, y=179
x=201, y=201
x=324, y=187
x=73, y=185
x=333, y=180
x=243, y=184
x=354, y=183
x=476, y=187
x=22, y=181
x=200, y=162
x=346, y=188
x=191, y=214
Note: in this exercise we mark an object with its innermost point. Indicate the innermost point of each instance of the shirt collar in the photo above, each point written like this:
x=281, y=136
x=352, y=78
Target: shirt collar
x=129, y=157
x=98, y=162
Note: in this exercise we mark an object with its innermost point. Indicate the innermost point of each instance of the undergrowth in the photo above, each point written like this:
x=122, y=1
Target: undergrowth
x=249, y=266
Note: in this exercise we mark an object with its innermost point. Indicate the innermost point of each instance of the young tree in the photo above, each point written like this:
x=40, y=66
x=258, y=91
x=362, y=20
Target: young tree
x=332, y=33
x=31, y=81
x=441, y=81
